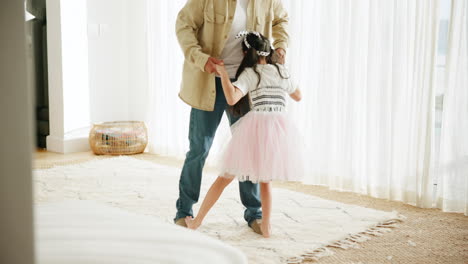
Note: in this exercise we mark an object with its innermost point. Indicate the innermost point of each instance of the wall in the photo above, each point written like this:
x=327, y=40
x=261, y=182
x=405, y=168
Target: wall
x=67, y=58
x=75, y=65
x=117, y=59
x=16, y=210
x=138, y=94
x=108, y=63
x=97, y=60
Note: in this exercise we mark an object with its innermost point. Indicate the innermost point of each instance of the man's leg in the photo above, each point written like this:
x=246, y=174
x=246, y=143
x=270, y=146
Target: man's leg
x=249, y=192
x=203, y=125
x=250, y=197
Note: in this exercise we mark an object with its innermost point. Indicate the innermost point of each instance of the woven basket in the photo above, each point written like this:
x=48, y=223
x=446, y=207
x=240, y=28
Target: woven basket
x=118, y=138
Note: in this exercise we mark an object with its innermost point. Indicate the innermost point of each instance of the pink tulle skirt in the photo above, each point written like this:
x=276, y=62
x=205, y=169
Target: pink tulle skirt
x=265, y=146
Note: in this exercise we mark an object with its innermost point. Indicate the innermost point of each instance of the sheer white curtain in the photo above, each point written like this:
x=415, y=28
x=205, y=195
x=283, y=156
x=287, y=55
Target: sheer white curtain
x=366, y=70
x=452, y=167
x=168, y=115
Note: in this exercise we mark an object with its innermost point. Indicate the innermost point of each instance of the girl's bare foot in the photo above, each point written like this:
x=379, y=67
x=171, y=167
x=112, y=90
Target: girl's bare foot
x=266, y=229
x=191, y=223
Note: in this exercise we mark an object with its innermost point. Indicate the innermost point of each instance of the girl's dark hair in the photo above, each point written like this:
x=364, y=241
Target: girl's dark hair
x=257, y=43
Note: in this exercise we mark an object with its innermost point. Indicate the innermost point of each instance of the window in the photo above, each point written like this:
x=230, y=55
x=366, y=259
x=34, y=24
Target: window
x=442, y=44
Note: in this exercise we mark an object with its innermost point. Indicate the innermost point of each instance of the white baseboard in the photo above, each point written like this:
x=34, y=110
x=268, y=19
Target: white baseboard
x=70, y=143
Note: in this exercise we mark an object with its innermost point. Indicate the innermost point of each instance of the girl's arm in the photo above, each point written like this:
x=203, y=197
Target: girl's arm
x=296, y=96
x=232, y=94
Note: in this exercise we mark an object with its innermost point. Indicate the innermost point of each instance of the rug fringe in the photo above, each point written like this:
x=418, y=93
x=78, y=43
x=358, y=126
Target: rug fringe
x=352, y=241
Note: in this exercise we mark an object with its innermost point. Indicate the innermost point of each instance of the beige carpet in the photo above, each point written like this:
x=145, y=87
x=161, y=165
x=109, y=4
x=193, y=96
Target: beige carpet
x=427, y=236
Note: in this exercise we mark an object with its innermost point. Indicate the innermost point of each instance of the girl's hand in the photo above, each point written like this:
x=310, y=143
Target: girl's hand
x=210, y=64
x=221, y=70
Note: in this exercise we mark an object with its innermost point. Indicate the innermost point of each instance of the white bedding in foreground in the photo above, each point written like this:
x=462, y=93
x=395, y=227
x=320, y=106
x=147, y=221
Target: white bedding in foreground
x=88, y=232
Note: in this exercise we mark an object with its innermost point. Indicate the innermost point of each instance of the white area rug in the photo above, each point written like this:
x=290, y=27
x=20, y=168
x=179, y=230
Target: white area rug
x=304, y=226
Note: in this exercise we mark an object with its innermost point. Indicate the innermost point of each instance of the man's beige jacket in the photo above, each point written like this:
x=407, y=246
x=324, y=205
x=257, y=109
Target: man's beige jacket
x=202, y=28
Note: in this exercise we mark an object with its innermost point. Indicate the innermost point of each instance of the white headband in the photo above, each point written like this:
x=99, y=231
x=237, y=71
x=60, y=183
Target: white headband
x=244, y=34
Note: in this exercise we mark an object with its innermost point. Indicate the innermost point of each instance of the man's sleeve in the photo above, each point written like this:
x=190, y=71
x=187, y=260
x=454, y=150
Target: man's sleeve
x=280, y=25
x=189, y=21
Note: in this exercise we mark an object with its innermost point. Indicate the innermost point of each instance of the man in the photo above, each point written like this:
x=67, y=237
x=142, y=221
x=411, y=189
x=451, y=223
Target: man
x=206, y=31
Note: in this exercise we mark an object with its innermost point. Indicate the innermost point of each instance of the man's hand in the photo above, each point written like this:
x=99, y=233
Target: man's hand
x=281, y=55
x=210, y=65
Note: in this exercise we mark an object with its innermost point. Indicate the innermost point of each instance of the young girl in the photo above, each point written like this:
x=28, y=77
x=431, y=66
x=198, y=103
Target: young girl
x=265, y=145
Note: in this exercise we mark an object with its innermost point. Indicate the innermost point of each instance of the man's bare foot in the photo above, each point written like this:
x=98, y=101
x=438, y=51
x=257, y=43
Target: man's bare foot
x=191, y=223
x=266, y=229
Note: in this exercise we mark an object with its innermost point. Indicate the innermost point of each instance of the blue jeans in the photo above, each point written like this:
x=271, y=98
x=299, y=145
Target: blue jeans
x=203, y=125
